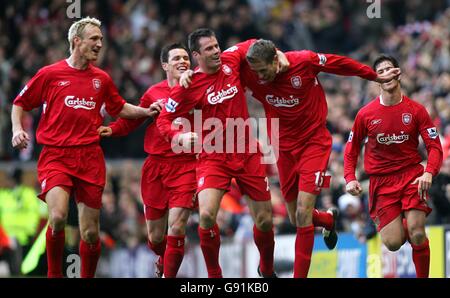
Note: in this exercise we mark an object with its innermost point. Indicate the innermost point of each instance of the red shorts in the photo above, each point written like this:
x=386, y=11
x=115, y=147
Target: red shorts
x=249, y=173
x=80, y=169
x=303, y=169
x=167, y=183
x=392, y=194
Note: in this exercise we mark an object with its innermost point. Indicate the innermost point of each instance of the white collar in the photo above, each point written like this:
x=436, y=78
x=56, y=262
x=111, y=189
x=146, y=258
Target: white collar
x=70, y=65
x=383, y=104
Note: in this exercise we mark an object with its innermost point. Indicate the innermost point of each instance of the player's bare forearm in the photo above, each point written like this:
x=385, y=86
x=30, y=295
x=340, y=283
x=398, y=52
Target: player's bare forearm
x=130, y=111
x=20, y=138
x=16, y=118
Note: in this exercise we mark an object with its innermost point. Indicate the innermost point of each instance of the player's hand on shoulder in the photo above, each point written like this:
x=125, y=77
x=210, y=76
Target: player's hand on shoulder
x=155, y=108
x=283, y=62
x=186, y=78
x=187, y=140
x=353, y=188
x=20, y=139
x=104, y=131
x=393, y=73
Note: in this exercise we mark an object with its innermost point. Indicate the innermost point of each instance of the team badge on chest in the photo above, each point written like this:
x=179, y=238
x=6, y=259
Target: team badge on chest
x=406, y=118
x=226, y=69
x=96, y=83
x=296, y=82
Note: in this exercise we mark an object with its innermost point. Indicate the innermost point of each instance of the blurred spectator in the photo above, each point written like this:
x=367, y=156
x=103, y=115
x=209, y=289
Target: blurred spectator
x=416, y=32
x=20, y=215
x=440, y=194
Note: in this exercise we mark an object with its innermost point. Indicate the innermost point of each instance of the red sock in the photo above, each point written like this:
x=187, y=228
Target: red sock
x=173, y=256
x=265, y=243
x=421, y=258
x=304, y=243
x=210, y=245
x=323, y=219
x=55, y=251
x=158, y=248
x=89, y=254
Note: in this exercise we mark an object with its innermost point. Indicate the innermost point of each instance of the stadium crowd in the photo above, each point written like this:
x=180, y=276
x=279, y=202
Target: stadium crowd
x=417, y=33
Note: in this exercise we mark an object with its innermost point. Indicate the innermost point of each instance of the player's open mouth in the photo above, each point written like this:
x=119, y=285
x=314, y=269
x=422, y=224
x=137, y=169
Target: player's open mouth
x=182, y=68
x=96, y=51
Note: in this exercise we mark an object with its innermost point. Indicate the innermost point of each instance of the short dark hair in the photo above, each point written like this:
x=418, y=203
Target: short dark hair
x=195, y=36
x=382, y=58
x=261, y=50
x=164, y=56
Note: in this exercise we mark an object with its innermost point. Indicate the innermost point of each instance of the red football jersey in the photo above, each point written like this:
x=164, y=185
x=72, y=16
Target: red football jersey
x=72, y=100
x=392, y=134
x=296, y=96
x=221, y=98
x=154, y=142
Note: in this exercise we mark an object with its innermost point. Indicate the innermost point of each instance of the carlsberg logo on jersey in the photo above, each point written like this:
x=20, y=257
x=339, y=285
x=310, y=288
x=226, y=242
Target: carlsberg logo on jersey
x=219, y=97
x=392, y=139
x=281, y=101
x=78, y=103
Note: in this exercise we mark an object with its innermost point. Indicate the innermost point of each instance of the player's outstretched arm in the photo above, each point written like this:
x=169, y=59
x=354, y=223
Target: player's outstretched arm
x=392, y=73
x=283, y=62
x=20, y=138
x=186, y=78
x=130, y=111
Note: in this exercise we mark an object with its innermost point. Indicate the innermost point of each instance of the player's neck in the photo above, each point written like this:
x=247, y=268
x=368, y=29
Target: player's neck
x=391, y=98
x=172, y=82
x=77, y=62
x=208, y=70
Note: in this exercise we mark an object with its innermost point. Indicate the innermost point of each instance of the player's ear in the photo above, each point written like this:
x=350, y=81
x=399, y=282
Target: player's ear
x=165, y=66
x=195, y=54
x=76, y=40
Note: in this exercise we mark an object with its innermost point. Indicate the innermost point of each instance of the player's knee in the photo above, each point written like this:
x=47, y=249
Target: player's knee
x=264, y=221
x=207, y=219
x=156, y=237
x=417, y=236
x=177, y=229
x=393, y=244
x=292, y=218
x=58, y=219
x=303, y=215
x=90, y=235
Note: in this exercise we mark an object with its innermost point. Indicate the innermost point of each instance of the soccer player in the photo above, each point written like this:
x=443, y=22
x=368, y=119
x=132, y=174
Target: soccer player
x=217, y=91
x=72, y=93
x=168, y=181
x=297, y=99
x=399, y=184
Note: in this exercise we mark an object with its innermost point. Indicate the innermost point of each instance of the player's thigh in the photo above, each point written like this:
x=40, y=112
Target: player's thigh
x=312, y=166
x=57, y=199
x=287, y=172
x=156, y=227
x=253, y=180
x=178, y=218
x=261, y=212
x=392, y=234
x=209, y=201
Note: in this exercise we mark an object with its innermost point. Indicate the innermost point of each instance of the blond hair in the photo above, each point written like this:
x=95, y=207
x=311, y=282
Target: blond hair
x=77, y=29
